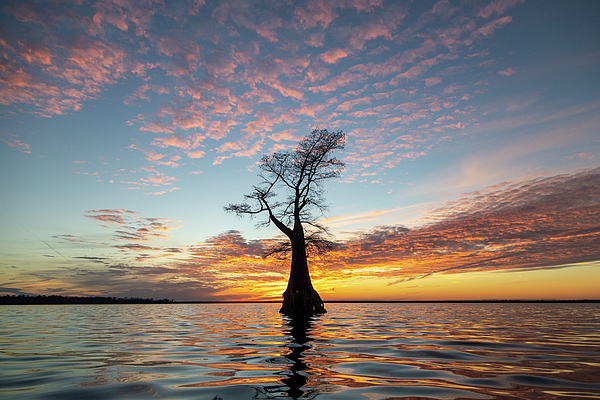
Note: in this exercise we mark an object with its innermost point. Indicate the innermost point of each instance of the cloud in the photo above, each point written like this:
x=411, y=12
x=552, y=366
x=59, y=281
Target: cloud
x=541, y=223
x=316, y=39
x=317, y=12
x=492, y=26
x=172, y=141
x=498, y=7
x=348, y=105
x=432, y=81
x=581, y=156
x=264, y=22
x=140, y=93
x=382, y=26
x=508, y=72
x=331, y=56
x=196, y=154
x=133, y=226
x=536, y=224
x=12, y=141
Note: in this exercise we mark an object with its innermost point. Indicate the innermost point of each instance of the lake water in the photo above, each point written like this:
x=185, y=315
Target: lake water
x=250, y=351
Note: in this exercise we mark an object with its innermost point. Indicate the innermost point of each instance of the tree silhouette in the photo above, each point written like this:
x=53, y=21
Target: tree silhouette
x=299, y=174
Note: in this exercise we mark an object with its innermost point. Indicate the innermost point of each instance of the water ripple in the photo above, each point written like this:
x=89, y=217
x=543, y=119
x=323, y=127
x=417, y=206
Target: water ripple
x=250, y=351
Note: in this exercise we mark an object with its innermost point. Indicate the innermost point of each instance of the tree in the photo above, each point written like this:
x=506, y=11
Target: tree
x=300, y=174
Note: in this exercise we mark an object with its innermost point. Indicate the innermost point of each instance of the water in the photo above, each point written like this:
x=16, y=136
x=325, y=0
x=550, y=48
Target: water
x=250, y=351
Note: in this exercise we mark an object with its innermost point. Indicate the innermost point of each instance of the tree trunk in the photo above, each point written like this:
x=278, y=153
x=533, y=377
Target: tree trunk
x=300, y=298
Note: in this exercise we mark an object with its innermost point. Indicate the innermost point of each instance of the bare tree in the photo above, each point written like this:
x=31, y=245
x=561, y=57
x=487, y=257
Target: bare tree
x=299, y=174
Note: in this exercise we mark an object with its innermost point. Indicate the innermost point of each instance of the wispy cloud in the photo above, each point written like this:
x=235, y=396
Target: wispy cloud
x=541, y=223
x=12, y=141
x=133, y=226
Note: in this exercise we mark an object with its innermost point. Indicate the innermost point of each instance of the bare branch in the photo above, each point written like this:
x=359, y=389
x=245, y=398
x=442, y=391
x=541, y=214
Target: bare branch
x=291, y=183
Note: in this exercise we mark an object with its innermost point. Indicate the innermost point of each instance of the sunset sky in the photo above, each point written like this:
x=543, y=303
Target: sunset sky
x=472, y=155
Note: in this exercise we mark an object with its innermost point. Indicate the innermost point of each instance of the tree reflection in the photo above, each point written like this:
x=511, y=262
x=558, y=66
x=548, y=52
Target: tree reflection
x=299, y=330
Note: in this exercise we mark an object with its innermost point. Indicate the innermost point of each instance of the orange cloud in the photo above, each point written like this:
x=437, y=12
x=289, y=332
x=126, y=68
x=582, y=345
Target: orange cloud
x=543, y=223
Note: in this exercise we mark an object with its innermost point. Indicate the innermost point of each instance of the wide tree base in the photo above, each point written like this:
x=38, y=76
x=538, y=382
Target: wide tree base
x=302, y=303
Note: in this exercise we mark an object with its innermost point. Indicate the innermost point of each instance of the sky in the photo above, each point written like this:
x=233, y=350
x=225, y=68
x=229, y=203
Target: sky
x=472, y=152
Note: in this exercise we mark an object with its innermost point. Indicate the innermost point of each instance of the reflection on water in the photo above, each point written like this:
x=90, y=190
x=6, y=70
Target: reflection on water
x=299, y=331
x=250, y=351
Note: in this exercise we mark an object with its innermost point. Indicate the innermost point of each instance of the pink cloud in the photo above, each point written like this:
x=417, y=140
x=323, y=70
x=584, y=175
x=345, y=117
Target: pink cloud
x=317, y=73
x=241, y=14
x=384, y=27
x=317, y=12
x=26, y=12
x=498, y=7
x=122, y=15
x=581, y=156
x=379, y=50
x=12, y=141
x=246, y=54
x=452, y=88
x=363, y=113
x=287, y=134
x=387, y=95
x=140, y=92
x=37, y=53
x=171, y=164
x=85, y=68
x=491, y=27
x=219, y=129
x=156, y=127
x=195, y=154
x=508, y=72
x=480, y=54
x=331, y=56
x=133, y=226
x=316, y=39
x=348, y=105
x=432, y=81
x=159, y=179
x=152, y=156
x=344, y=79
x=287, y=91
x=164, y=191
x=219, y=64
x=389, y=121
x=355, y=92
x=312, y=110
x=395, y=63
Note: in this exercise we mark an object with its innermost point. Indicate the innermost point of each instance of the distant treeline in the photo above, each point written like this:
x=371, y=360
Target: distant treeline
x=23, y=299
x=467, y=301
x=53, y=299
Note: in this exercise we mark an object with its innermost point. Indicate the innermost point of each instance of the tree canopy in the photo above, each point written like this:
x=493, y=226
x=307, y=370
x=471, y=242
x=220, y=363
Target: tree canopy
x=289, y=195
